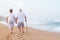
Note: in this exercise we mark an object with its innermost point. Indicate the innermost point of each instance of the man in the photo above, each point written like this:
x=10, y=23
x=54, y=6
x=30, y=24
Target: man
x=20, y=20
x=10, y=20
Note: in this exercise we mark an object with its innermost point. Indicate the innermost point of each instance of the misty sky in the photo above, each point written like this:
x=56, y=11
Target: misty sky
x=35, y=9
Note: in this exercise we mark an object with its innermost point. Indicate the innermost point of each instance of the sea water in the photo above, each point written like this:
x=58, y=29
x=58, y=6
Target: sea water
x=46, y=27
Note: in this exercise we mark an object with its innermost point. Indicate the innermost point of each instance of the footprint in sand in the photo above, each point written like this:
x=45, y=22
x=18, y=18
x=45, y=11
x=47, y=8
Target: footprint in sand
x=14, y=36
x=3, y=37
x=21, y=36
x=8, y=37
x=23, y=39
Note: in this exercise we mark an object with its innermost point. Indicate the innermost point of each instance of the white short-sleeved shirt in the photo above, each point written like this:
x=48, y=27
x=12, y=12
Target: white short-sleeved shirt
x=11, y=17
x=20, y=17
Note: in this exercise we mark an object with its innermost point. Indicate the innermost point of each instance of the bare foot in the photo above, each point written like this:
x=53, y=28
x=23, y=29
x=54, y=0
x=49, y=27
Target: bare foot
x=11, y=32
x=23, y=32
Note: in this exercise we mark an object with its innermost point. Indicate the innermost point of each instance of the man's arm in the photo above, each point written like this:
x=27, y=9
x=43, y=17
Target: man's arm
x=7, y=19
x=25, y=19
x=16, y=19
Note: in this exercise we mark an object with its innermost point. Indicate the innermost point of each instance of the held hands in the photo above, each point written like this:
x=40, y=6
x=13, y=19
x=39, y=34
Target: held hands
x=6, y=21
x=16, y=21
x=25, y=20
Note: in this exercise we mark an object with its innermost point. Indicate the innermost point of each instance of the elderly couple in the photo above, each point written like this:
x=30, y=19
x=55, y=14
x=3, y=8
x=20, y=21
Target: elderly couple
x=19, y=19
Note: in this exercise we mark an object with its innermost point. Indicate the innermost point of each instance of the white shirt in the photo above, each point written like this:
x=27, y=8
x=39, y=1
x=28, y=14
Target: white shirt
x=10, y=17
x=20, y=17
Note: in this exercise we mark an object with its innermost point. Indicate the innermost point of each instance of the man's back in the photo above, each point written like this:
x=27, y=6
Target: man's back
x=10, y=17
x=20, y=17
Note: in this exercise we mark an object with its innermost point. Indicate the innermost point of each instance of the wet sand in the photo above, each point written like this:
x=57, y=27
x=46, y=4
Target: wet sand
x=33, y=34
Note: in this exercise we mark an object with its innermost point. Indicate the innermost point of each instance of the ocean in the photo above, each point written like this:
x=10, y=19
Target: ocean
x=48, y=26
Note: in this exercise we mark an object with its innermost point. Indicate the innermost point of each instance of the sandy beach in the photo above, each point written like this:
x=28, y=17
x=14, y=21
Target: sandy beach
x=33, y=34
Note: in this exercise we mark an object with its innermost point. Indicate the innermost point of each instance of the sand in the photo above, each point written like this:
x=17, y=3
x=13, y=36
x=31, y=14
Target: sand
x=33, y=34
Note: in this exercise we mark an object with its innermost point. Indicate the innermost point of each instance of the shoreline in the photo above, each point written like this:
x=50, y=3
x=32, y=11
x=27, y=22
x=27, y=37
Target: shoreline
x=42, y=27
x=33, y=34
